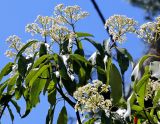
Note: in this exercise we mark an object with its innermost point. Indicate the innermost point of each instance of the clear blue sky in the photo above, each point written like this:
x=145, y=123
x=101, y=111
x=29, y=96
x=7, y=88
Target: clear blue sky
x=15, y=14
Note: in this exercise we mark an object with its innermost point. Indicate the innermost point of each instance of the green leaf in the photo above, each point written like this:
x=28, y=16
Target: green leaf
x=79, y=50
x=83, y=34
x=52, y=93
x=6, y=70
x=141, y=93
x=28, y=108
x=115, y=81
x=10, y=113
x=144, y=58
x=66, y=80
x=30, y=76
x=156, y=98
x=124, y=51
x=3, y=86
x=141, y=82
x=63, y=119
x=16, y=106
x=137, y=108
x=42, y=50
x=22, y=65
x=39, y=72
x=40, y=60
x=77, y=57
x=82, y=76
x=24, y=48
x=123, y=61
x=11, y=83
x=36, y=88
x=98, y=46
x=105, y=119
x=91, y=121
x=49, y=118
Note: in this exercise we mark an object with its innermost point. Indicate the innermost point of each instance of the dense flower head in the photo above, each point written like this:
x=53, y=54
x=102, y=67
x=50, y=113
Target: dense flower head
x=119, y=25
x=56, y=27
x=90, y=99
x=152, y=88
x=147, y=31
x=150, y=31
x=15, y=45
x=69, y=14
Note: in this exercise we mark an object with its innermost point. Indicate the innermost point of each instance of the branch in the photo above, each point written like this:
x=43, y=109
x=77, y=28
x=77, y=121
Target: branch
x=1, y=113
x=98, y=11
x=78, y=117
x=69, y=102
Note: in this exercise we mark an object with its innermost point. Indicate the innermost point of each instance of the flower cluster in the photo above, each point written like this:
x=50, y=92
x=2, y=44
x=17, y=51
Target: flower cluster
x=119, y=25
x=70, y=14
x=152, y=88
x=150, y=31
x=91, y=97
x=55, y=27
x=147, y=31
x=15, y=44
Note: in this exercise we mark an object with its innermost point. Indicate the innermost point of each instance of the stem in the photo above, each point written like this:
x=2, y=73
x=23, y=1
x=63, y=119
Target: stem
x=78, y=117
x=147, y=117
x=69, y=102
x=98, y=11
x=3, y=111
x=157, y=115
x=123, y=85
x=64, y=96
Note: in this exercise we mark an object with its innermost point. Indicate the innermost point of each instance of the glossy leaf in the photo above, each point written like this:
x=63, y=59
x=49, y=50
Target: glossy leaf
x=52, y=93
x=42, y=50
x=10, y=113
x=6, y=70
x=83, y=34
x=25, y=47
x=40, y=60
x=39, y=72
x=22, y=65
x=91, y=121
x=98, y=46
x=77, y=57
x=28, y=108
x=49, y=118
x=123, y=61
x=12, y=82
x=16, y=106
x=115, y=81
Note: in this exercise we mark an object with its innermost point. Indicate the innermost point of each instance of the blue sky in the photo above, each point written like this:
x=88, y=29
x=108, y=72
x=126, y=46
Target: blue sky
x=15, y=14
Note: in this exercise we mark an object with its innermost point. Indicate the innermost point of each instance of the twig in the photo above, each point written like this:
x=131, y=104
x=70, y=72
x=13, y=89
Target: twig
x=147, y=117
x=4, y=107
x=78, y=117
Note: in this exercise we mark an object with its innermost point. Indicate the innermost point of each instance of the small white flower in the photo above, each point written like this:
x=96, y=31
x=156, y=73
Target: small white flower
x=57, y=74
x=121, y=112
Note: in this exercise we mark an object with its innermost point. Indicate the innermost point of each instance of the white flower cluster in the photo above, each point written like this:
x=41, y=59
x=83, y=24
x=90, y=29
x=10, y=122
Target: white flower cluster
x=119, y=25
x=90, y=99
x=15, y=45
x=147, y=31
x=55, y=27
x=150, y=31
x=70, y=14
x=152, y=88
